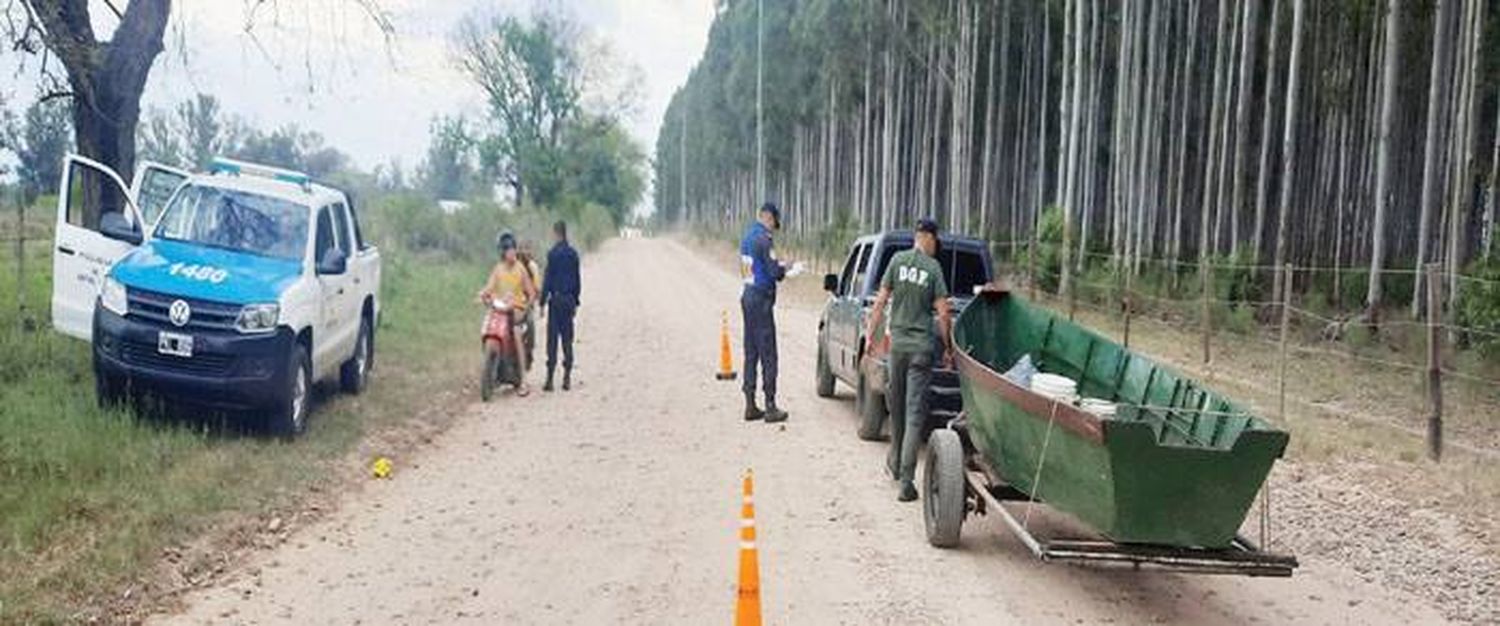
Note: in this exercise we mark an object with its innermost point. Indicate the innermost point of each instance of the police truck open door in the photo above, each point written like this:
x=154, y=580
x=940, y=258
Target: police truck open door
x=99, y=220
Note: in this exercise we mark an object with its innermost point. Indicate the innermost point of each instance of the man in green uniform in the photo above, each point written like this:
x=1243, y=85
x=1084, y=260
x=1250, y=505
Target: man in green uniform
x=914, y=286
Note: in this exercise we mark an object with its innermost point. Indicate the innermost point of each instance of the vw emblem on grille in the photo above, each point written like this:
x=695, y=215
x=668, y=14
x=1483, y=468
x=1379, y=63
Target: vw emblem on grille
x=180, y=313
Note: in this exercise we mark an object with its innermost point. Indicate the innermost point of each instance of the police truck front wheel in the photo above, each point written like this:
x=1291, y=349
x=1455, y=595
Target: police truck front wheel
x=355, y=373
x=289, y=417
x=109, y=389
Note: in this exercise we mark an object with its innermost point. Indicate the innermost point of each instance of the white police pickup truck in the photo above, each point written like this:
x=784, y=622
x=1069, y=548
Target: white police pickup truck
x=235, y=289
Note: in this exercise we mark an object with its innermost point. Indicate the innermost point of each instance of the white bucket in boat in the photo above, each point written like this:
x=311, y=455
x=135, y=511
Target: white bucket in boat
x=1055, y=387
x=1101, y=408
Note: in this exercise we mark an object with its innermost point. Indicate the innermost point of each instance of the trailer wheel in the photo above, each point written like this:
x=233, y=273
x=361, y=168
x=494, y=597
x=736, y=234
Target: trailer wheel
x=871, y=408
x=943, y=504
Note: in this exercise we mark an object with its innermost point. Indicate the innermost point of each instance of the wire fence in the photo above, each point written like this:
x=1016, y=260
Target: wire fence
x=1220, y=264
x=1432, y=344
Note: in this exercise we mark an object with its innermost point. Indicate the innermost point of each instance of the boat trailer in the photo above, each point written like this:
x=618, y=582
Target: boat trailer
x=1242, y=558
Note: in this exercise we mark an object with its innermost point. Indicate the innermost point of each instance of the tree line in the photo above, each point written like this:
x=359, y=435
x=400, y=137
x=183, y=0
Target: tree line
x=1353, y=135
x=549, y=132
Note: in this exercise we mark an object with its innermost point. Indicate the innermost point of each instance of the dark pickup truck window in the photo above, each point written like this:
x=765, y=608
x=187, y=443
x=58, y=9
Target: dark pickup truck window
x=963, y=270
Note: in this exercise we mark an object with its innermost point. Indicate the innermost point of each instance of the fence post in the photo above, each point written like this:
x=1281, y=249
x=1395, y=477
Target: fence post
x=1434, y=363
x=1125, y=304
x=1286, y=322
x=1205, y=280
x=21, y=262
x=1072, y=298
x=1031, y=267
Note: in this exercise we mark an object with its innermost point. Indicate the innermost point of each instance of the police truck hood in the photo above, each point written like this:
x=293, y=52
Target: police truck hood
x=206, y=273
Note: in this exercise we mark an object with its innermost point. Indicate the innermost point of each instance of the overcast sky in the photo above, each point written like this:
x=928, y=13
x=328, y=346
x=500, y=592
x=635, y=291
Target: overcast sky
x=323, y=64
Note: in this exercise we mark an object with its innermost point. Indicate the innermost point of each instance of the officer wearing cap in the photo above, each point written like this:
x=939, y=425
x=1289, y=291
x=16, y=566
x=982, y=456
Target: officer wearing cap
x=913, y=285
x=761, y=271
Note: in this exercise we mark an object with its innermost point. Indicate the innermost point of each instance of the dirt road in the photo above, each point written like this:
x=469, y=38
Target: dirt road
x=618, y=502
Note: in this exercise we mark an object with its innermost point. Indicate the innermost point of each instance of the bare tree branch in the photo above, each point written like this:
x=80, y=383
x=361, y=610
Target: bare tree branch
x=54, y=95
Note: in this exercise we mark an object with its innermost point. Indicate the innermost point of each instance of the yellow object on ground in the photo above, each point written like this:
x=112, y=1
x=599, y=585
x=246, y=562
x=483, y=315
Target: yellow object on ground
x=381, y=468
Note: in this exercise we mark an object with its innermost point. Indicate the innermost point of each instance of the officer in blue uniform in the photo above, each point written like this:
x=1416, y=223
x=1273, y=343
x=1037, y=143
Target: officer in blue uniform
x=761, y=271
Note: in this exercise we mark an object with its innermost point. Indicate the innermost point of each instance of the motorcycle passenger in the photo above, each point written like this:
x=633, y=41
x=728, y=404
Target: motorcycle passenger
x=526, y=256
x=510, y=282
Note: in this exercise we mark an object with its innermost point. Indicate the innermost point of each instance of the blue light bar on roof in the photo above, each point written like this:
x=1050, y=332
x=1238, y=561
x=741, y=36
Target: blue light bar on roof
x=234, y=167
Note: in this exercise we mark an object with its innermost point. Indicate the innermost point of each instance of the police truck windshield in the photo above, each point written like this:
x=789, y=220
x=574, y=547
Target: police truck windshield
x=236, y=220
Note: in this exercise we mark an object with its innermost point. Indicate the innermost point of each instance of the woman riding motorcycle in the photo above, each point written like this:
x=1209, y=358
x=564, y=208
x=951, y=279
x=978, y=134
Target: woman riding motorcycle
x=510, y=282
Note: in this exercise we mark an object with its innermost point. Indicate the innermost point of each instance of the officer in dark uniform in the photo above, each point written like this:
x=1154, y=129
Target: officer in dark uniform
x=561, y=289
x=761, y=271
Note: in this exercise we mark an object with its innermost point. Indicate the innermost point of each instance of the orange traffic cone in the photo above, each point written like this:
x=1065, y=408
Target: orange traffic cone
x=747, y=610
x=726, y=359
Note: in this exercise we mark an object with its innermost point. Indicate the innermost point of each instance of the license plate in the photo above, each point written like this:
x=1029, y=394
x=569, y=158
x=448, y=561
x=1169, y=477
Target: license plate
x=175, y=344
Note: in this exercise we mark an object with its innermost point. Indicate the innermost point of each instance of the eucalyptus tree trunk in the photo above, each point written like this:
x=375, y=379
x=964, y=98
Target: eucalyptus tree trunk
x=1075, y=120
x=1487, y=236
x=1064, y=103
x=1248, y=48
x=1211, y=165
x=1185, y=117
x=1464, y=157
x=1437, y=101
x=1267, y=132
x=1289, y=140
x=986, y=173
x=1225, y=157
x=1383, y=195
x=1091, y=133
x=1041, y=144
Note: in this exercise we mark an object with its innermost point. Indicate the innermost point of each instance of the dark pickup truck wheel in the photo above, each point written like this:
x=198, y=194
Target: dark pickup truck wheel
x=825, y=375
x=872, y=412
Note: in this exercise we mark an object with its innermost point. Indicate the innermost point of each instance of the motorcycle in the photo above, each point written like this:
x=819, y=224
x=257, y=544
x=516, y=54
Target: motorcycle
x=500, y=332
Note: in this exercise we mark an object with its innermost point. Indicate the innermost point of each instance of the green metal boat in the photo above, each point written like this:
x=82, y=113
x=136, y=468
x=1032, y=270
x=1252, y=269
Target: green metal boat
x=1176, y=465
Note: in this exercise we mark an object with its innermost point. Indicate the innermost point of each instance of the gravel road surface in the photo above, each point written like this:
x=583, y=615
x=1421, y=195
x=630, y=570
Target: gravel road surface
x=618, y=502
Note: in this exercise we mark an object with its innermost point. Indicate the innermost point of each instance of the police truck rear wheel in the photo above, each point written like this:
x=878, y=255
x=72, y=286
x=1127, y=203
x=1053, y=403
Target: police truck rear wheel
x=872, y=411
x=825, y=375
x=354, y=374
x=943, y=502
x=289, y=418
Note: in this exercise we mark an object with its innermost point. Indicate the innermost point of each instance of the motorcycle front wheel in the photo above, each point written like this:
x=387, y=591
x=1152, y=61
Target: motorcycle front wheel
x=489, y=375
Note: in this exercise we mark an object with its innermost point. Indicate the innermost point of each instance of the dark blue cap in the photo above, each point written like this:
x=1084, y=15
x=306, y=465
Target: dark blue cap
x=770, y=207
x=927, y=225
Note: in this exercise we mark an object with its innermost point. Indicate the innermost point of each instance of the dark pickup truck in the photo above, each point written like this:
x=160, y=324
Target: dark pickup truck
x=841, y=331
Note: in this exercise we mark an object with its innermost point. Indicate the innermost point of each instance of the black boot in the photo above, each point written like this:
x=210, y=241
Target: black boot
x=548, y=385
x=908, y=492
x=774, y=414
x=752, y=412
x=567, y=378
